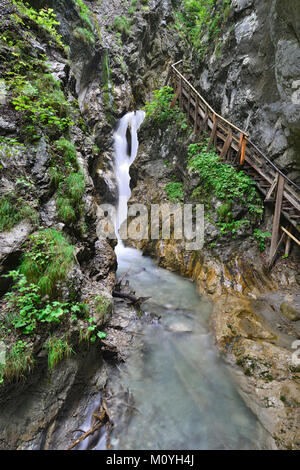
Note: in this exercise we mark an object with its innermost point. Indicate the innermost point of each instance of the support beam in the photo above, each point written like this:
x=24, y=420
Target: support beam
x=290, y=235
x=213, y=132
x=276, y=217
x=189, y=110
x=196, y=115
x=273, y=186
x=273, y=258
x=226, y=145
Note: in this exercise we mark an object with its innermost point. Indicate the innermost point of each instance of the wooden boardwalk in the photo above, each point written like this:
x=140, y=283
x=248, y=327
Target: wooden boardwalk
x=236, y=148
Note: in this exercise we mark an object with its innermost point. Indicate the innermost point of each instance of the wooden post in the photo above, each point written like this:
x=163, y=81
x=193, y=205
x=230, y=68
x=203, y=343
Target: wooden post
x=243, y=149
x=276, y=217
x=227, y=144
x=196, y=116
x=213, y=132
x=189, y=110
x=180, y=93
x=272, y=188
x=287, y=246
x=203, y=124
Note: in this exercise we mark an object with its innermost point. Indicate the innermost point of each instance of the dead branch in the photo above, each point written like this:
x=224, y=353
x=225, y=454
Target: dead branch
x=131, y=297
x=102, y=418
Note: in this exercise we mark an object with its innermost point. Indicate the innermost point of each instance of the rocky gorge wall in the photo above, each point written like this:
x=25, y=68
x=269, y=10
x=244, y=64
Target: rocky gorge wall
x=252, y=76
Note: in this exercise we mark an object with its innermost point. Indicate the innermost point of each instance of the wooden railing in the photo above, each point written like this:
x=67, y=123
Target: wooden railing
x=235, y=147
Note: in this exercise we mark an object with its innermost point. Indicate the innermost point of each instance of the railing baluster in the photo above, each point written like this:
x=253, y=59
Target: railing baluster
x=213, y=132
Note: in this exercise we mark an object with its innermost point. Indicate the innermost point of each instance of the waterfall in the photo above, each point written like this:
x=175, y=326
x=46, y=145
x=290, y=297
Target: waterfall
x=123, y=159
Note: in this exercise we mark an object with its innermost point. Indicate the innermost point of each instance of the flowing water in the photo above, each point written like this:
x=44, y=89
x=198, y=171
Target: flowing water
x=183, y=395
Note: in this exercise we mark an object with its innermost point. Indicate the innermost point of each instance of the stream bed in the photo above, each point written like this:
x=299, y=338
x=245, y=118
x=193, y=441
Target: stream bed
x=182, y=391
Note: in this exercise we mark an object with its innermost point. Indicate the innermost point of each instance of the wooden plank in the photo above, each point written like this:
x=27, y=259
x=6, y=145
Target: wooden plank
x=213, y=132
x=276, y=217
x=273, y=186
x=175, y=98
x=226, y=145
x=273, y=258
x=290, y=235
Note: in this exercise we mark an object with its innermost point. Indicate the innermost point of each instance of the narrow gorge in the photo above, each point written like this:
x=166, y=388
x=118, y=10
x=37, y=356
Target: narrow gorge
x=114, y=336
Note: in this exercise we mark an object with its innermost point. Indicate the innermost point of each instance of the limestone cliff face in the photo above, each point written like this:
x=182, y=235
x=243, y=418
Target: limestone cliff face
x=254, y=77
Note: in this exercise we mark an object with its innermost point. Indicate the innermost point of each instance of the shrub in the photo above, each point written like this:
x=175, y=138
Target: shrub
x=261, y=238
x=44, y=18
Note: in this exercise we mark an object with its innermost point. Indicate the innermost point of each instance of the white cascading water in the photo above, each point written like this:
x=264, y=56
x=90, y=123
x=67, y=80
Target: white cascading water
x=123, y=160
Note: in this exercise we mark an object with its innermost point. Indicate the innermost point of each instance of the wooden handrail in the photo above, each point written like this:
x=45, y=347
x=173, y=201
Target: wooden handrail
x=232, y=125
x=234, y=145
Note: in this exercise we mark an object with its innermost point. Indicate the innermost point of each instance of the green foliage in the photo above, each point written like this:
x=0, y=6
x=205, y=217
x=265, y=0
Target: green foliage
x=92, y=334
x=57, y=350
x=85, y=34
x=84, y=13
x=223, y=179
x=227, y=184
x=28, y=308
x=261, y=238
x=18, y=362
x=44, y=18
x=42, y=103
x=70, y=196
x=160, y=111
x=10, y=147
x=200, y=21
x=174, y=192
x=66, y=148
x=47, y=260
x=122, y=25
x=102, y=305
x=13, y=210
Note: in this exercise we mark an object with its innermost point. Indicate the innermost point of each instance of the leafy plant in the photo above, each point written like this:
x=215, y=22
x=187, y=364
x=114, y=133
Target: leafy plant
x=45, y=18
x=174, y=192
x=47, y=260
x=223, y=180
x=160, y=111
x=261, y=237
